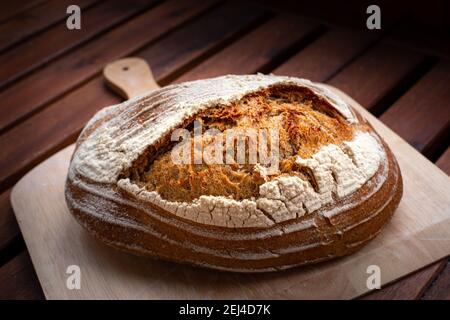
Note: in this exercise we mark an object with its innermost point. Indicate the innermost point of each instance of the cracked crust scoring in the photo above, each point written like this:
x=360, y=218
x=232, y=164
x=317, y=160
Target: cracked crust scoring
x=357, y=187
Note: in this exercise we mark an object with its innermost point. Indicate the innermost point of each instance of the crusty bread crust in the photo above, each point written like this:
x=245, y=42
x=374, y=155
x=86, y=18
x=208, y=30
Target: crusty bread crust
x=121, y=220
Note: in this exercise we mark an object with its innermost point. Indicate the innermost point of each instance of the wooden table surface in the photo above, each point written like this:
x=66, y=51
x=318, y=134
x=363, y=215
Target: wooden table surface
x=51, y=84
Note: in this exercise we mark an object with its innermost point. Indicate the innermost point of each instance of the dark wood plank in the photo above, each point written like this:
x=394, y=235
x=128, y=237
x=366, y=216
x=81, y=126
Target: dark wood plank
x=18, y=279
x=444, y=161
x=63, y=74
x=350, y=13
x=422, y=115
x=255, y=51
x=440, y=288
x=325, y=56
x=9, y=9
x=9, y=229
x=36, y=19
x=54, y=127
x=57, y=40
x=423, y=39
x=169, y=55
x=376, y=75
x=210, y=33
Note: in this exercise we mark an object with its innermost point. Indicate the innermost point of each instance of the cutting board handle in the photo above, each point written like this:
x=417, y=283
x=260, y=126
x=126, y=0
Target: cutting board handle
x=129, y=77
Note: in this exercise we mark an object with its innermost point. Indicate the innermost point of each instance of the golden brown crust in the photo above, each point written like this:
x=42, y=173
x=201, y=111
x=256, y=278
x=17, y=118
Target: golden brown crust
x=121, y=220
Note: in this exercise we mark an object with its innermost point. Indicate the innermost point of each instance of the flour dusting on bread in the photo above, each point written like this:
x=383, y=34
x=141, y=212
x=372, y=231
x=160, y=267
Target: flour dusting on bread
x=107, y=151
x=286, y=197
x=110, y=148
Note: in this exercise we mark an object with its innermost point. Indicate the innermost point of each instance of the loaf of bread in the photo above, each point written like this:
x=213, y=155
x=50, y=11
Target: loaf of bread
x=242, y=173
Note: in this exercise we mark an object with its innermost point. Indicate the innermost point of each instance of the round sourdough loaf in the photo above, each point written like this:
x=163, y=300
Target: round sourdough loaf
x=319, y=186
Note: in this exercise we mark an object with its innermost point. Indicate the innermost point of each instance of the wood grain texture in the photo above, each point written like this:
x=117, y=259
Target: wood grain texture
x=195, y=42
x=254, y=51
x=36, y=19
x=83, y=63
x=18, y=279
x=8, y=9
x=422, y=115
x=411, y=240
x=51, y=129
x=57, y=40
x=375, y=74
x=440, y=288
x=325, y=56
x=129, y=77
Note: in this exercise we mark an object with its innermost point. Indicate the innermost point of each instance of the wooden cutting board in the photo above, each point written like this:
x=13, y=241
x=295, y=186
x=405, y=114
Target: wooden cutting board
x=418, y=235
